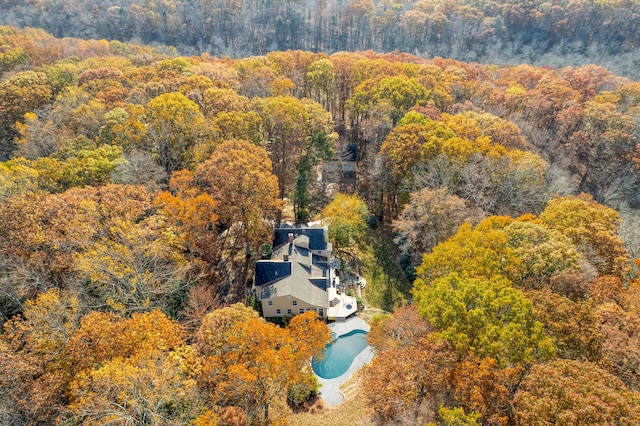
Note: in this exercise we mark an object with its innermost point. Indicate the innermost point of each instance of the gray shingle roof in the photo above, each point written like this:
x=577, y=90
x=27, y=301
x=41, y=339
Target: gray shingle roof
x=316, y=237
x=304, y=275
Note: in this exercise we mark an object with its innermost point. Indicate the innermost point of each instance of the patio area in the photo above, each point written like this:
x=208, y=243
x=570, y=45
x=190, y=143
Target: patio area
x=341, y=306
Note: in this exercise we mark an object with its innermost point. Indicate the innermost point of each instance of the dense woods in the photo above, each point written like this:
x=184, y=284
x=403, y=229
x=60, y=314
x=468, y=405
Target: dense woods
x=495, y=211
x=558, y=33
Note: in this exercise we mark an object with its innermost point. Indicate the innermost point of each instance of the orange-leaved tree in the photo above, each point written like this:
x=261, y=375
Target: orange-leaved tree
x=574, y=392
x=411, y=380
x=250, y=363
x=238, y=177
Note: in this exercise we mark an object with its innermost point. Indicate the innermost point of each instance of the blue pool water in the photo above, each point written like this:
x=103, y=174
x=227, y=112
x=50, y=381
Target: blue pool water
x=338, y=356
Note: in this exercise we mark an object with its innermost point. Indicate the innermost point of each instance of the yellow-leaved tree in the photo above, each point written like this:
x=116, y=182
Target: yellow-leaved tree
x=135, y=370
x=177, y=130
x=593, y=228
x=346, y=217
x=33, y=377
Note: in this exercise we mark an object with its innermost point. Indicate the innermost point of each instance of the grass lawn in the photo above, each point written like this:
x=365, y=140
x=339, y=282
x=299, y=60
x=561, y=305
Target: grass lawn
x=352, y=413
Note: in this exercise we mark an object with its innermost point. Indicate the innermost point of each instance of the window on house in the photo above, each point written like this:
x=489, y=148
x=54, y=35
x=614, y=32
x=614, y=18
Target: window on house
x=321, y=312
x=302, y=311
x=278, y=312
x=288, y=311
x=270, y=302
x=294, y=303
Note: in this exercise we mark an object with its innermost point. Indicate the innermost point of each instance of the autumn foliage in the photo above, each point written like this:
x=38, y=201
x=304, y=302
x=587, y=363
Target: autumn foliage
x=138, y=186
x=106, y=368
x=532, y=324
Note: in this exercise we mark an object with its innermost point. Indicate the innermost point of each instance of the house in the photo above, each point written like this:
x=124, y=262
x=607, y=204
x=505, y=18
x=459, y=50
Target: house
x=299, y=277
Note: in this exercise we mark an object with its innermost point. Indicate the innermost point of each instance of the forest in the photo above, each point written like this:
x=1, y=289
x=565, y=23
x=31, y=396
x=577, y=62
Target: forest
x=495, y=213
x=557, y=33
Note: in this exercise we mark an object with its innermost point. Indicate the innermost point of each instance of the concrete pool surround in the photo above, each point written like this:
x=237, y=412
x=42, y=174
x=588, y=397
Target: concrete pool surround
x=330, y=388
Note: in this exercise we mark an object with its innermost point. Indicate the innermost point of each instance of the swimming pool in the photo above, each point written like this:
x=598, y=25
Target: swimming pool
x=338, y=356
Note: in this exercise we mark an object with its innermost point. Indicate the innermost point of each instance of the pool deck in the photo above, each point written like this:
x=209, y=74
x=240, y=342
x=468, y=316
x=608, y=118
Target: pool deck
x=329, y=390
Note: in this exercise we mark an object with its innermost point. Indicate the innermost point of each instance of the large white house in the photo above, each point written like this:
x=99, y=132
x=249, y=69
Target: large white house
x=299, y=277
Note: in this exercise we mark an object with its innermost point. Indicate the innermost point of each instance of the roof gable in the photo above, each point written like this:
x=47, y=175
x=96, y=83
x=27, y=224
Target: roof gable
x=315, y=235
x=268, y=271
